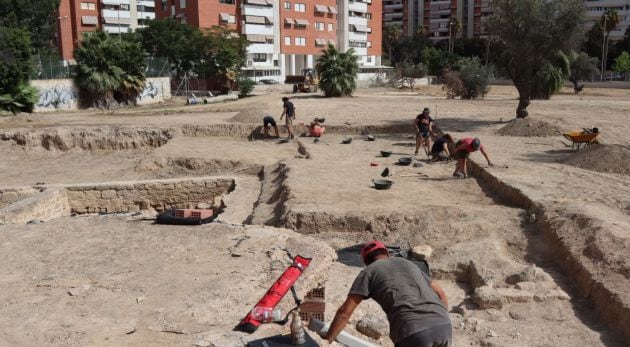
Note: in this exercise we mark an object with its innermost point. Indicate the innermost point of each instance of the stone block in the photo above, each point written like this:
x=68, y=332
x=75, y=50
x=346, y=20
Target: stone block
x=515, y=295
x=373, y=326
x=528, y=274
x=9, y=197
x=421, y=252
x=488, y=297
x=109, y=194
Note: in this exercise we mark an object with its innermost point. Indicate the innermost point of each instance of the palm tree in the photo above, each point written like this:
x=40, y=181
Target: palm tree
x=609, y=21
x=337, y=72
x=454, y=26
x=108, y=71
x=391, y=36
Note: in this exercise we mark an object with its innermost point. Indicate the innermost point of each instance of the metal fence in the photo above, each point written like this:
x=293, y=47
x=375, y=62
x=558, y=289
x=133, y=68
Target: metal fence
x=47, y=68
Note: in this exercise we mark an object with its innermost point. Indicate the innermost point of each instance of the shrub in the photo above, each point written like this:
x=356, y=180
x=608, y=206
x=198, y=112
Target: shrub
x=452, y=84
x=22, y=100
x=475, y=78
x=245, y=86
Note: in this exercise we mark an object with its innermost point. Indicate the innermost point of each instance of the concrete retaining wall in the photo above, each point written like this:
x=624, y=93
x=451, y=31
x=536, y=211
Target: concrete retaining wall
x=50, y=204
x=62, y=94
x=160, y=195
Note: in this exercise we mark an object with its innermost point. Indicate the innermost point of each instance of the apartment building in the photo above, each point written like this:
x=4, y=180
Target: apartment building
x=433, y=17
x=596, y=9
x=76, y=17
x=287, y=36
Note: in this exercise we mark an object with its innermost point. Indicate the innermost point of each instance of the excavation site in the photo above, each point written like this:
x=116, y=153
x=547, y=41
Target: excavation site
x=531, y=251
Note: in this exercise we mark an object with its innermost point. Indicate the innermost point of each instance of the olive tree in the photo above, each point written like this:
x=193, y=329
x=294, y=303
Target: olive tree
x=533, y=31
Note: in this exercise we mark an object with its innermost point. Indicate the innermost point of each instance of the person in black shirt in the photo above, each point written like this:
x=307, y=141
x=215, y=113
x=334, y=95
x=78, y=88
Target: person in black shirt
x=424, y=130
x=268, y=122
x=288, y=110
x=441, y=149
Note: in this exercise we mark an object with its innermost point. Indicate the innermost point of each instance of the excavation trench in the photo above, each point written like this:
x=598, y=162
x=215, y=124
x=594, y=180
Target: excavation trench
x=531, y=260
x=92, y=138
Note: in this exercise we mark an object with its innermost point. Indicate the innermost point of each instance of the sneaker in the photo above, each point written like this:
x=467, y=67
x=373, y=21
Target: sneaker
x=458, y=174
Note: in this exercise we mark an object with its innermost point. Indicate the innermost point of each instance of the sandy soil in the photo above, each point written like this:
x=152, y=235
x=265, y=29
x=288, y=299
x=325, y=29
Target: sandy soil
x=324, y=189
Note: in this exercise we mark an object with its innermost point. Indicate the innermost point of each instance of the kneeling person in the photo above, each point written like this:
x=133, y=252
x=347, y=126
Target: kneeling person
x=440, y=150
x=316, y=129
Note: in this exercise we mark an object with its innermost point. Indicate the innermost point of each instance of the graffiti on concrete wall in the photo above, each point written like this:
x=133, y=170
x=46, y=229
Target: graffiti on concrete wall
x=62, y=94
x=57, y=97
x=151, y=90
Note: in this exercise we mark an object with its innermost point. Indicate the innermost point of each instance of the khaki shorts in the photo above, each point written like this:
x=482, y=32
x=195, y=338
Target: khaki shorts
x=289, y=120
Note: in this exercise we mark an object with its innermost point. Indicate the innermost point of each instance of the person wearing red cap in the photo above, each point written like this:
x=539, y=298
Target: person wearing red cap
x=462, y=151
x=416, y=307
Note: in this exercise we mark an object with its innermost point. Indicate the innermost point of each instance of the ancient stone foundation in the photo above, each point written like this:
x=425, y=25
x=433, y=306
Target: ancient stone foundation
x=114, y=197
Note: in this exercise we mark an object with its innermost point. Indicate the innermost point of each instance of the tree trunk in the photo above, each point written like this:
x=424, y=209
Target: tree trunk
x=524, y=93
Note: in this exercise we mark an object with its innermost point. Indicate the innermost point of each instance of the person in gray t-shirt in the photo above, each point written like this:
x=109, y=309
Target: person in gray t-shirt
x=415, y=306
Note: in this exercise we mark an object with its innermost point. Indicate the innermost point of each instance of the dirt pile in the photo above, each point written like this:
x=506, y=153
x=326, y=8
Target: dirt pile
x=178, y=167
x=603, y=158
x=256, y=114
x=529, y=127
x=101, y=138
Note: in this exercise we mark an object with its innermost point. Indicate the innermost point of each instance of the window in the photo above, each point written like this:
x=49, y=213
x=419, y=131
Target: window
x=287, y=40
x=124, y=7
x=369, y=44
x=319, y=25
x=287, y=5
x=330, y=27
x=182, y=3
x=260, y=57
x=142, y=8
x=300, y=7
x=230, y=2
x=369, y=58
x=88, y=6
x=300, y=41
x=164, y=5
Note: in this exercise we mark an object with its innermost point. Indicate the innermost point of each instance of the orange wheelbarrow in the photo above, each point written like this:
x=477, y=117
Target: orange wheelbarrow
x=581, y=138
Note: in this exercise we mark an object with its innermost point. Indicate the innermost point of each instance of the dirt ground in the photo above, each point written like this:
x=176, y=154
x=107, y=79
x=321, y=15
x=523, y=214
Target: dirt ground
x=121, y=280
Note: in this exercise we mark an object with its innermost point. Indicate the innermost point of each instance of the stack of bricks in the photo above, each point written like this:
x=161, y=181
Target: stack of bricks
x=194, y=213
x=314, y=305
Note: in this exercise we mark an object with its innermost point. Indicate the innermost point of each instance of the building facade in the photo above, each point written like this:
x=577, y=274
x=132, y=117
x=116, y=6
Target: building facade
x=287, y=36
x=76, y=17
x=596, y=9
x=433, y=17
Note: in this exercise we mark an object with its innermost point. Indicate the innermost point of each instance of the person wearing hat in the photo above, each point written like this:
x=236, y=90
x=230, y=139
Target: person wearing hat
x=462, y=151
x=288, y=110
x=416, y=307
x=424, y=130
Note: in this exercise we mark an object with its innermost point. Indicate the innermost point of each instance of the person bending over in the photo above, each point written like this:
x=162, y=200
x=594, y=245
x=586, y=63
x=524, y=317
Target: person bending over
x=316, y=129
x=462, y=151
x=268, y=122
x=440, y=150
x=416, y=307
